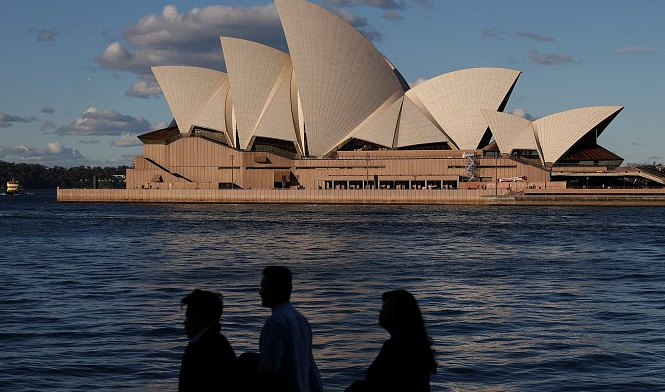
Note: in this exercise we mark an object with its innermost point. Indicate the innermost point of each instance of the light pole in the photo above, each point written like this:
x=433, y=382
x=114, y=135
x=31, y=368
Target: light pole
x=232, y=182
x=367, y=172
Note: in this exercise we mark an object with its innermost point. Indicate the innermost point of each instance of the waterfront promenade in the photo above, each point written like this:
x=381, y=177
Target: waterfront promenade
x=383, y=196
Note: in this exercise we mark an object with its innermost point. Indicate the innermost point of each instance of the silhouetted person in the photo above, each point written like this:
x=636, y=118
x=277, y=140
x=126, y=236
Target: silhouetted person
x=406, y=360
x=209, y=361
x=286, y=362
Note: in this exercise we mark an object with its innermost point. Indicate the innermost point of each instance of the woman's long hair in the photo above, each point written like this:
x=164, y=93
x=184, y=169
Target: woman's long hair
x=409, y=325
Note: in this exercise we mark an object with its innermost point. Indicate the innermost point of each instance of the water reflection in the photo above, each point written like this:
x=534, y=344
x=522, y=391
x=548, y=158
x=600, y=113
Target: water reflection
x=528, y=299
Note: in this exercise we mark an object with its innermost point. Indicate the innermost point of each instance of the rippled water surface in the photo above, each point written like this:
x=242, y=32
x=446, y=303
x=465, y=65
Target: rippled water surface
x=516, y=299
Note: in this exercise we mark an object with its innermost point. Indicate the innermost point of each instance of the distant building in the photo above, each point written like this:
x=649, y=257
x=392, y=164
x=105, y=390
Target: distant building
x=334, y=113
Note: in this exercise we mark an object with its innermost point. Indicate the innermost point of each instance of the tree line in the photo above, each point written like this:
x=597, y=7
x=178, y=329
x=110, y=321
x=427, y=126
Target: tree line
x=34, y=176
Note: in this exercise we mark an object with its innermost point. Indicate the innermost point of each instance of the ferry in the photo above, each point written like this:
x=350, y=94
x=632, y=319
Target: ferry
x=13, y=188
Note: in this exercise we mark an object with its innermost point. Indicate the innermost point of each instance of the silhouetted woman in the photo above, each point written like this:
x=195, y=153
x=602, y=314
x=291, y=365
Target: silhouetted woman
x=406, y=360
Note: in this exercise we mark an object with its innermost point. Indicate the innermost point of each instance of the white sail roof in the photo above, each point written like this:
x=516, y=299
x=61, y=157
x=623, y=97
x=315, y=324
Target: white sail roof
x=187, y=91
x=455, y=99
x=276, y=120
x=253, y=70
x=380, y=127
x=211, y=115
x=511, y=132
x=415, y=127
x=558, y=132
x=342, y=77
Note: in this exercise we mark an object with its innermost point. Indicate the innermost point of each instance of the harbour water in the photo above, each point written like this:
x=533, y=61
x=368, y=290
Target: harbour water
x=515, y=298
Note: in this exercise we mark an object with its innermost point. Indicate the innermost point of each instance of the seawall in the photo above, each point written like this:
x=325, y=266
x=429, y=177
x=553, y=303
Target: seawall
x=627, y=197
x=594, y=197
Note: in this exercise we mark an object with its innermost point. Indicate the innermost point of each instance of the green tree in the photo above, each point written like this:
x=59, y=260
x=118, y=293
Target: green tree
x=38, y=176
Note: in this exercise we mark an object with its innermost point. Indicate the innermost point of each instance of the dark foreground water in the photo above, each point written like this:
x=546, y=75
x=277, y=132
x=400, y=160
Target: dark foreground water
x=516, y=299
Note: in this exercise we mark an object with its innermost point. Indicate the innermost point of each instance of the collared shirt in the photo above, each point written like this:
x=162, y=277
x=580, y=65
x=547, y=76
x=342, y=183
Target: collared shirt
x=198, y=336
x=285, y=348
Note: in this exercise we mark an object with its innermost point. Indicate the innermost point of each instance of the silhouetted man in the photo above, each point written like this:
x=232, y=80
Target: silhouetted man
x=209, y=361
x=286, y=362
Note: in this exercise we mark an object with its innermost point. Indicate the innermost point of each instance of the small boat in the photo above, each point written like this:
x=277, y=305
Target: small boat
x=13, y=188
x=513, y=179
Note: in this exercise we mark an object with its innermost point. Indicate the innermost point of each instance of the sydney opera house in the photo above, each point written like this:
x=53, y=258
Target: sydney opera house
x=334, y=113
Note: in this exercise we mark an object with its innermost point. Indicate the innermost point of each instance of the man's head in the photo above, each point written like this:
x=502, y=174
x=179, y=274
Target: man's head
x=275, y=286
x=204, y=308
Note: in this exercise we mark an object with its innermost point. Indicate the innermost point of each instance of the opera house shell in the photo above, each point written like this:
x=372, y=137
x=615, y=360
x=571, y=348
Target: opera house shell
x=334, y=113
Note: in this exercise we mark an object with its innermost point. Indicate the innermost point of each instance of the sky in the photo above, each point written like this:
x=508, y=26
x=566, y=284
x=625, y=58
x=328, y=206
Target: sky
x=76, y=87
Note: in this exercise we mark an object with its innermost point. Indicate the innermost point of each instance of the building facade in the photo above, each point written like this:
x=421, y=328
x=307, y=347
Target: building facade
x=334, y=113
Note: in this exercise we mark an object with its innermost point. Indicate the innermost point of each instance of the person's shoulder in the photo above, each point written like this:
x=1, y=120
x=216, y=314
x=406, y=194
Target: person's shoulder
x=301, y=317
x=294, y=314
x=283, y=311
x=216, y=341
x=396, y=345
x=284, y=307
x=209, y=335
x=275, y=320
x=214, y=336
x=224, y=340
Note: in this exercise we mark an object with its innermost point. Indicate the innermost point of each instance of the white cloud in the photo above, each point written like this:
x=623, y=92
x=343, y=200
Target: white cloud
x=417, y=82
x=160, y=125
x=523, y=113
x=127, y=141
x=104, y=122
x=144, y=89
x=54, y=154
x=519, y=112
x=190, y=38
x=54, y=147
x=170, y=12
x=57, y=154
x=116, y=56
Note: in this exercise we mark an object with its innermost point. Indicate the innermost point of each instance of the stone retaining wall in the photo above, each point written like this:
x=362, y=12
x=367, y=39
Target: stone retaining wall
x=303, y=196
